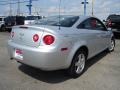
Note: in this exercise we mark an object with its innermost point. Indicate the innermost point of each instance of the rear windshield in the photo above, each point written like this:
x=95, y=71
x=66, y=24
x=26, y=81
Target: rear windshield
x=64, y=21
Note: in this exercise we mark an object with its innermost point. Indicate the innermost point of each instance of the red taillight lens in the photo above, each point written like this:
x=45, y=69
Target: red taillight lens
x=19, y=51
x=35, y=37
x=109, y=23
x=48, y=39
x=12, y=34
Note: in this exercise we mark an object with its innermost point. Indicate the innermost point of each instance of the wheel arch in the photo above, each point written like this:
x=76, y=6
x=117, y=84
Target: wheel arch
x=73, y=53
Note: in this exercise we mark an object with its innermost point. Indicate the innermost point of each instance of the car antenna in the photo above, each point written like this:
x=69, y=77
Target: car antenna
x=59, y=13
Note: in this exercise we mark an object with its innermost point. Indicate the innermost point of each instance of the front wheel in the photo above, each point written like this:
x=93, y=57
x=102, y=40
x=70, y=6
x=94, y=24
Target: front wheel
x=112, y=45
x=78, y=64
x=2, y=28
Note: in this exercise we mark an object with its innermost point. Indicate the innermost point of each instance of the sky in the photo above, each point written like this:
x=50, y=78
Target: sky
x=102, y=8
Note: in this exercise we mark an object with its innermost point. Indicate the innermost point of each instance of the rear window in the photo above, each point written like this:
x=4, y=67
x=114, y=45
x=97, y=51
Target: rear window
x=64, y=21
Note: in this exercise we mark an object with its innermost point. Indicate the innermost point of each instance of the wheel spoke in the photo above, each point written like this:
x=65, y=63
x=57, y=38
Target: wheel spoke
x=78, y=69
x=80, y=63
x=111, y=45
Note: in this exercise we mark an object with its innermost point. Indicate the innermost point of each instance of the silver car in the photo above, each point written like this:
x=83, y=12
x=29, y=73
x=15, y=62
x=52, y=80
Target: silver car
x=60, y=42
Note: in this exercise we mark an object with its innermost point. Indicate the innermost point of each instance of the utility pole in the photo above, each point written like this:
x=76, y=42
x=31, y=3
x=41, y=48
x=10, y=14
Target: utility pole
x=92, y=7
x=30, y=6
x=10, y=11
x=85, y=3
x=18, y=9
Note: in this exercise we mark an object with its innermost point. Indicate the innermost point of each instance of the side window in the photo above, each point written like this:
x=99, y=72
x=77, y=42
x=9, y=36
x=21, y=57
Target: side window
x=97, y=25
x=84, y=25
x=92, y=24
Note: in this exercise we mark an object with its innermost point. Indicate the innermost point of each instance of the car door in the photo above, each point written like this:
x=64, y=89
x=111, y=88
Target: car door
x=102, y=33
x=95, y=36
x=90, y=36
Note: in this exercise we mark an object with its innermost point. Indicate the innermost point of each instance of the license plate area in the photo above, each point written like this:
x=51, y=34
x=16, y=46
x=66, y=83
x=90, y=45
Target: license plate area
x=19, y=54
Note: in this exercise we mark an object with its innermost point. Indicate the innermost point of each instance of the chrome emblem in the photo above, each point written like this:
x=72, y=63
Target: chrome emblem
x=21, y=36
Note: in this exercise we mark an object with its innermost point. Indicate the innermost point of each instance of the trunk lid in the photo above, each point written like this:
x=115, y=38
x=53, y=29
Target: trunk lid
x=23, y=35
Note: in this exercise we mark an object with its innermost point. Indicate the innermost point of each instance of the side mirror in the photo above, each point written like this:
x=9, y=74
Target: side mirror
x=104, y=21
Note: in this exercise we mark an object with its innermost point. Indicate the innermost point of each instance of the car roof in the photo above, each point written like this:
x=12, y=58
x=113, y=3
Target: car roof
x=113, y=16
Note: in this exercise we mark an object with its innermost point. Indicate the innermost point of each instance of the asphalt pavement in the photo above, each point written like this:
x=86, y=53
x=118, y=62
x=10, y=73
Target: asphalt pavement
x=102, y=73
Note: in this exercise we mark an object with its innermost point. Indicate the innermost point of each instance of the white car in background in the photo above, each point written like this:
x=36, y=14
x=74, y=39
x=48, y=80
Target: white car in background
x=31, y=19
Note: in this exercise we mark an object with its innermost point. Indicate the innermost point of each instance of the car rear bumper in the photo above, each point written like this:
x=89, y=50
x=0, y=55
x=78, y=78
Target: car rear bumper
x=43, y=58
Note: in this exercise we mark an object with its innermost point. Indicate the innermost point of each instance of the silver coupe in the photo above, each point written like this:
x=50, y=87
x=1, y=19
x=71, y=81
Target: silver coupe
x=60, y=42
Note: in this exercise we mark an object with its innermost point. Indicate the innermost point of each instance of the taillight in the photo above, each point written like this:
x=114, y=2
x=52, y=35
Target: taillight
x=12, y=34
x=109, y=23
x=48, y=39
x=35, y=37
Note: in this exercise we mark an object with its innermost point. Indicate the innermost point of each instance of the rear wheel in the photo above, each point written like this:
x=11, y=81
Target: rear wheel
x=78, y=64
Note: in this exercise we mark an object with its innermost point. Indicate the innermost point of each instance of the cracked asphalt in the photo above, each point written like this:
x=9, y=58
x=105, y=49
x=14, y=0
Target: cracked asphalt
x=102, y=73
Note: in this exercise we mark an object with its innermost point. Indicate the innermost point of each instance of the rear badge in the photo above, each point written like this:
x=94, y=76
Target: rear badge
x=21, y=35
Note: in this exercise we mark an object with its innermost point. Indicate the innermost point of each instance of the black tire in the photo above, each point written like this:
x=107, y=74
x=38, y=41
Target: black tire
x=9, y=29
x=73, y=69
x=112, y=45
x=2, y=29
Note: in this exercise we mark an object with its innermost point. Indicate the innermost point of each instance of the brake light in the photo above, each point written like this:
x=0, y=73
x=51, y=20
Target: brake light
x=48, y=39
x=35, y=37
x=19, y=51
x=109, y=23
x=12, y=34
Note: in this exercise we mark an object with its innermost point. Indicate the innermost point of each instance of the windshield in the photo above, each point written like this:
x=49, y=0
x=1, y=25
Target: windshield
x=0, y=19
x=64, y=21
x=10, y=19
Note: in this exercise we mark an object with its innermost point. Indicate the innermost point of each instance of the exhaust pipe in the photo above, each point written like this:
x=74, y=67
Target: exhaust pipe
x=11, y=58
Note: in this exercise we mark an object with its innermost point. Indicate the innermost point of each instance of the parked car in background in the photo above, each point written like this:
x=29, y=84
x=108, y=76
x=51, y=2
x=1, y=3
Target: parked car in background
x=2, y=23
x=30, y=19
x=113, y=22
x=60, y=42
x=11, y=21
